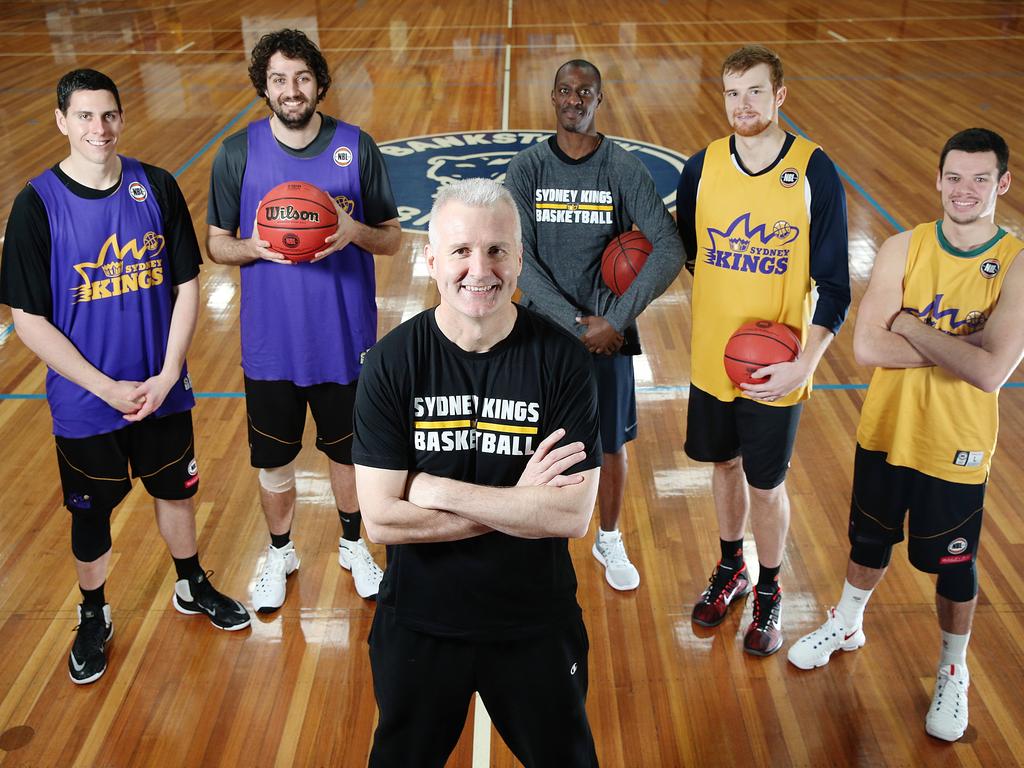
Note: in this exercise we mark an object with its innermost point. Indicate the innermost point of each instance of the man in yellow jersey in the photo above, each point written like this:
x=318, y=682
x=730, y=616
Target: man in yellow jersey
x=762, y=215
x=942, y=321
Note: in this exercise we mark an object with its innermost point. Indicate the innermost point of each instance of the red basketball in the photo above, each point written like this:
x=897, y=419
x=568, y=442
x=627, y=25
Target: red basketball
x=623, y=259
x=757, y=344
x=296, y=218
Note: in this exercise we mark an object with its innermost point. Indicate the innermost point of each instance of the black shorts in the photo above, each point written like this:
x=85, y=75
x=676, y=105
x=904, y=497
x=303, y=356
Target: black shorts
x=945, y=517
x=616, y=400
x=535, y=691
x=277, y=416
x=762, y=434
x=161, y=452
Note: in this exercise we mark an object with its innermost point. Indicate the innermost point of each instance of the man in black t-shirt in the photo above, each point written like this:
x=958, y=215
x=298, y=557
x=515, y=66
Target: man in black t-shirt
x=477, y=452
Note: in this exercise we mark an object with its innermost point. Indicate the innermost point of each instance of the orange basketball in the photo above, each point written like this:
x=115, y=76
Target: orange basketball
x=623, y=259
x=757, y=344
x=296, y=218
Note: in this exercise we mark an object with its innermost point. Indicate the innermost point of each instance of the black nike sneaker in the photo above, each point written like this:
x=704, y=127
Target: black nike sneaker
x=88, y=659
x=197, y=595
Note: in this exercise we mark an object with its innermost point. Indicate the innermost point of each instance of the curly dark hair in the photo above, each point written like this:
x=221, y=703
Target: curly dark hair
x=294, y=44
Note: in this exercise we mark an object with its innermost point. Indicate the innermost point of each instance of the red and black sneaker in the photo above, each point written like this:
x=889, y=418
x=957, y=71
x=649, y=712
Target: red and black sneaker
x=724, y=586
x=764, y=635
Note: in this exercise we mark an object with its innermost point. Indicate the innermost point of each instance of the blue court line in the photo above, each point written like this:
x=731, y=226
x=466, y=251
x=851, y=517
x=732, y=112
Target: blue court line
x=850, y=180
x=5, y=332
x=217, y=136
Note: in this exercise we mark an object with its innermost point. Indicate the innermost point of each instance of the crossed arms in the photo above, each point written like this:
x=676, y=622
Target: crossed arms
x=400, y=507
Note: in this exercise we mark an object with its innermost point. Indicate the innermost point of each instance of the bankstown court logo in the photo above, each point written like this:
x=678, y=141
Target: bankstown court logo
x=418, y=166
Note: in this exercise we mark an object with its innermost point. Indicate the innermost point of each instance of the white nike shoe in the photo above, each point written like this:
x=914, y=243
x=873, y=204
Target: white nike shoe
x=610, y=552
x=269, y=591
x=947, y=716
x=354, y=556
x=815, y=649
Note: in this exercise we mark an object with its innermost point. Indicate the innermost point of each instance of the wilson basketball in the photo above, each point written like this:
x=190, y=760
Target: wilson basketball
x=757, y=344
x=623, y=259
x=296, y=218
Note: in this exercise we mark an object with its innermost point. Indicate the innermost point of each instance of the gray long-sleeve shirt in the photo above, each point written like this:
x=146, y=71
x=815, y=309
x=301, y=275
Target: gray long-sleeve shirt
x=570, y=211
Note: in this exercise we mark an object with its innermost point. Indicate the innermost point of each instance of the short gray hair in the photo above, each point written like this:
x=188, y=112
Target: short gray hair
x=476, y=193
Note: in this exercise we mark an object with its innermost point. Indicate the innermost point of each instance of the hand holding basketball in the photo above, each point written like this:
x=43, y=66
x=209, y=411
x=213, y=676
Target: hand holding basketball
x=623, y=258
x=342, y=235
x=297, y=219
x=763, y=359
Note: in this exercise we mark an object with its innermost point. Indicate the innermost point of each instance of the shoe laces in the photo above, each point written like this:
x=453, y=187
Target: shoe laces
x=92, y=632
x=766, y=608
x=944, y=680
x=363, y=559
x=718, y=582
x=612, y=549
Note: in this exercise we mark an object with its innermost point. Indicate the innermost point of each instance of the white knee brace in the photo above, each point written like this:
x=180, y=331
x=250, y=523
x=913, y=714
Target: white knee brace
x=278, y=479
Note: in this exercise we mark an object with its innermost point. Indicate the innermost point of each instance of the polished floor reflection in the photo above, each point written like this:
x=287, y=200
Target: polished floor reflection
x=879, y=85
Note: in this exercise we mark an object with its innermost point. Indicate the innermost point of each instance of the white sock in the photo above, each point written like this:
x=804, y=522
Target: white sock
x=954, y=649
x=852, y=604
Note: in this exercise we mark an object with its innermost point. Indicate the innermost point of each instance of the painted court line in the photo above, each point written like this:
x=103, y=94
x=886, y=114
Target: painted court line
x=850, y=180
x=216, y=137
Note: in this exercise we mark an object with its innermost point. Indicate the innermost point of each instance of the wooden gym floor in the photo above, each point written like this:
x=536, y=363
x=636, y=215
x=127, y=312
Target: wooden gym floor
x=879, y=85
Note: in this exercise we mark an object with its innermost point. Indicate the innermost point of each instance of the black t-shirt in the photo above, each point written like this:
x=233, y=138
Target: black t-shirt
x=426, y=405
x=222, y=210
x=25, y=270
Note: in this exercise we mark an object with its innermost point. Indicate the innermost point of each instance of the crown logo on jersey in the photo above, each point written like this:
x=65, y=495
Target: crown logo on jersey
x=110, y=276
x=347, y=204
x=745, y=248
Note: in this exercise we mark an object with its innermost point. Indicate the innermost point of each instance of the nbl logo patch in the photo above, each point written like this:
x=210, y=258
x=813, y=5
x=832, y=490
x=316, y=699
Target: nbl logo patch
x=989, y=268
x=343, y=157
x=958, y=553
x=418, y=166
x=789, y=177
x=138, y=192
x=193, y=471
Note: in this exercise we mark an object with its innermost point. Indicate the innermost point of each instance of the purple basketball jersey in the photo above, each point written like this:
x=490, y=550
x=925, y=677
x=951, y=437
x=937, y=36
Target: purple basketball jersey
x=111, y=295
x=312, y=322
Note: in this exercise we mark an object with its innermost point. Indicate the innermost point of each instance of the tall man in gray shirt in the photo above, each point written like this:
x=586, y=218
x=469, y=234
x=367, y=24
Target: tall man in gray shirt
x=575, y=192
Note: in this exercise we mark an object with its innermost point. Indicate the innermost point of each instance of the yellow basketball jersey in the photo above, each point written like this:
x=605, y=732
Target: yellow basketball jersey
x=753, y=258
x=926, y=418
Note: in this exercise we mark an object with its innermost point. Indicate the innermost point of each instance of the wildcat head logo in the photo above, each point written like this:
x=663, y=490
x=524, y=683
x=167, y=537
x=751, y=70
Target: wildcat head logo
x=418, y=166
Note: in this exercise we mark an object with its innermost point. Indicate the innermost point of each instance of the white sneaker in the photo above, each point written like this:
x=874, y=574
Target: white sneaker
x=947, y=716
x=269, y=591
x=354, y=556
x=611, y=553
x=813, y=650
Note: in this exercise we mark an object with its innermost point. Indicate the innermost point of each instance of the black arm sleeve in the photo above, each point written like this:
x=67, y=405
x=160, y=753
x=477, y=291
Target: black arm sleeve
x=183, y=255
x=25, y=268
x=573, y=404
x=224, y=202
x=686, y=208
x=374, y=184
x=379, y=422
x=830, y=267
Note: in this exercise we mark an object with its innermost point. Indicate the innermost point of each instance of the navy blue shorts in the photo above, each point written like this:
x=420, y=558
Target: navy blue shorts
x=616, y=400
x=762, y=434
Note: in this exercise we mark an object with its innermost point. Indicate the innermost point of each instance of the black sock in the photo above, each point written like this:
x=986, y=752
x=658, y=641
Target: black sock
x=350, y=522
x=732, y=553
x=768, y=579
x=278, y=540
x=93, y=598
x=188, y=567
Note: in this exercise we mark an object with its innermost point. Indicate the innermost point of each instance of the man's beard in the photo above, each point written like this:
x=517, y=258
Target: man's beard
x=295, y=121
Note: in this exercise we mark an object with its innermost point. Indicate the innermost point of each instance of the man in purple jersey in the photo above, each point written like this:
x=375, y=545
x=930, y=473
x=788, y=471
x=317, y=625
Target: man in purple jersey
x=100, y=269
x=305, y=327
